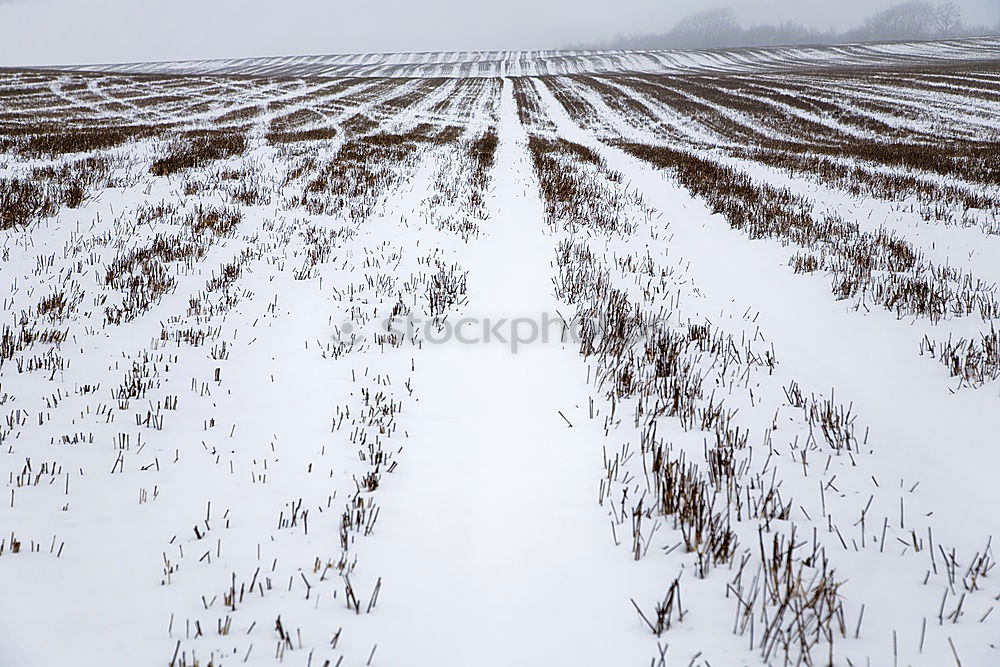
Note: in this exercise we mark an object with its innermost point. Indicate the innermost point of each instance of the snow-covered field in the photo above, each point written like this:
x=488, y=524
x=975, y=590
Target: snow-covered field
x=539, y=63
x=571, y=358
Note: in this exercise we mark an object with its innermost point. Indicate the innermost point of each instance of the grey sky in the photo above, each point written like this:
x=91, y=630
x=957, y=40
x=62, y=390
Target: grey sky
x=89, y=31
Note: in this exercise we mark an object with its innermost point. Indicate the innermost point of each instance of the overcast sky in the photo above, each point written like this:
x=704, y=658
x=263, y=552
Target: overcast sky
x=38, y=32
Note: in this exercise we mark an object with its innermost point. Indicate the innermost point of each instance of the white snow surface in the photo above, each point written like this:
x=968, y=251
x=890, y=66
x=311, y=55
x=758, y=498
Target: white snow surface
x=499, y=532
x=538, y=63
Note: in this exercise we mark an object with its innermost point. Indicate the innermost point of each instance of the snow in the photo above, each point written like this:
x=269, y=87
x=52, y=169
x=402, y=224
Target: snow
x=539, y=63
x=500, y=528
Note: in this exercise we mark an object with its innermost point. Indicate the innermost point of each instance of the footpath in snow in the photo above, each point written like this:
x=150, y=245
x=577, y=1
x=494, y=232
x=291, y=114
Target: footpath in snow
x=492, y=546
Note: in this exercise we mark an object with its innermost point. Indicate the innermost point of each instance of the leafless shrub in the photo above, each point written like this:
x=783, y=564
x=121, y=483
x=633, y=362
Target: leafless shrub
x=199, y=148
x=577, y=187
x=295, y=136
x=219, y=221
x=364, y=169
x=85, y=139
x=975, y=361
x=47, y=189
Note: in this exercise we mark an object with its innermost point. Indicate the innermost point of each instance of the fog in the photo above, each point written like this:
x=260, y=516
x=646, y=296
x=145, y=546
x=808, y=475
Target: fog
x=39, y=32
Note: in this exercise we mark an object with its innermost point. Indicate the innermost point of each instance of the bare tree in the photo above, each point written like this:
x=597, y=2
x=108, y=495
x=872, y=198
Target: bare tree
x=915, y=19
x=908, y=20
x=947, y=20
x=715, y=27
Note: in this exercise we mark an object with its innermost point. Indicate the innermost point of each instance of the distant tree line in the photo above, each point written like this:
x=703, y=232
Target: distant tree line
x=916, y=19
